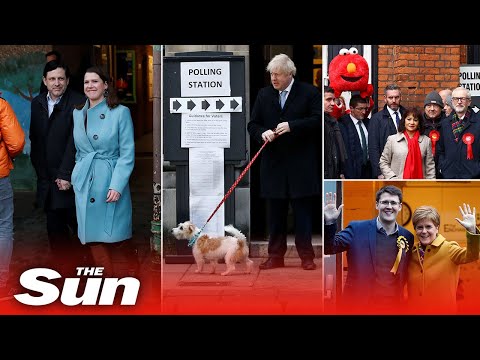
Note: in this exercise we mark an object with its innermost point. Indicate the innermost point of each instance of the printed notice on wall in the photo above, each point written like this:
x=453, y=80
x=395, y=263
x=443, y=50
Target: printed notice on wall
x=201, y=207
x=205, y=130
x=207, y=187
x=207, y=78
x=206, y=171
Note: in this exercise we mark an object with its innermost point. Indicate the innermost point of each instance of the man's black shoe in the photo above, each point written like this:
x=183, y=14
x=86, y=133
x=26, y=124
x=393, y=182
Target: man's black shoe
x=308, y=264
x=272, y=263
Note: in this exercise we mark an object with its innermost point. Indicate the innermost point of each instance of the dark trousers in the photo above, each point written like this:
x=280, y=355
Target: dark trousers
x=67, y=252
x=105, y=254
x=278, y=214
x=366, y=170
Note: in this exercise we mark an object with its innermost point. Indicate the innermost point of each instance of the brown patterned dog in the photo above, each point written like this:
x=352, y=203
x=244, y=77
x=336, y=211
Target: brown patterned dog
x=232, y=249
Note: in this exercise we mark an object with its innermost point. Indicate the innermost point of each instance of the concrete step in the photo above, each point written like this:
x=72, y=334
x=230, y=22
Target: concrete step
x=260, y=248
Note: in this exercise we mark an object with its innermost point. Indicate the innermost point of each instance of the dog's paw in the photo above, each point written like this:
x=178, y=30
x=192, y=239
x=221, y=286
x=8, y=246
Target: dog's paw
x=197, y=271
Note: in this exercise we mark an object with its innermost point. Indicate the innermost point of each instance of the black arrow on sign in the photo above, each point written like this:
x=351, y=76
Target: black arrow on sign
x=176, y=105
x=190, y=104
x=205, y=105
x=233, y=104
x=220, y=104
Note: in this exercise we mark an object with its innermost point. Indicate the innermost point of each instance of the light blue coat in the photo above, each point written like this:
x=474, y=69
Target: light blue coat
x=104, y=160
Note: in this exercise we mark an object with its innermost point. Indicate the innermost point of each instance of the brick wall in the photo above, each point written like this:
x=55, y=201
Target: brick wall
x=418, y=69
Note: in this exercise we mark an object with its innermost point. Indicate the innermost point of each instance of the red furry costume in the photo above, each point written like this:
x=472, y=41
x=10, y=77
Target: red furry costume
x=348, y=71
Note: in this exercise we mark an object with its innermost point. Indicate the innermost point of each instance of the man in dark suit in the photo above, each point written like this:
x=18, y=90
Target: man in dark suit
x=53, y=158
x=383, y=124
x=378, y=252
x=334, y=150
x=354, y=129
x=287, y=115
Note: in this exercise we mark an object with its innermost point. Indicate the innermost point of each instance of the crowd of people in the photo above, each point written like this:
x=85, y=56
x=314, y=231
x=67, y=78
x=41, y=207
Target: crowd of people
x=403, y=143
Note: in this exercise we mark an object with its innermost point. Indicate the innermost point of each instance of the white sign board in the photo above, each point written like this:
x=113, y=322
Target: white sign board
x=205, y=78
x=470, y=78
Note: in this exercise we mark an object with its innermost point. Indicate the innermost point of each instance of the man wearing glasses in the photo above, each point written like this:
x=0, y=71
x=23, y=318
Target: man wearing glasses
x=459, y=144
x=378, y=252
x=355, y=134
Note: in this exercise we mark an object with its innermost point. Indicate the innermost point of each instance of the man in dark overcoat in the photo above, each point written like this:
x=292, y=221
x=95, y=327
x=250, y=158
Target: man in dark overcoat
x=53, y=158
x=287, y=114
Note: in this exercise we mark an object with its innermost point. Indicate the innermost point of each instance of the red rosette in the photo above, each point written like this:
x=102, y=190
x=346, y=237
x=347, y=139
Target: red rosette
x=434, y=135
x=468, y=139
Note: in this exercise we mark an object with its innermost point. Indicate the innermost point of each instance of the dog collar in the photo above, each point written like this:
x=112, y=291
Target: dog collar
x=194, y=239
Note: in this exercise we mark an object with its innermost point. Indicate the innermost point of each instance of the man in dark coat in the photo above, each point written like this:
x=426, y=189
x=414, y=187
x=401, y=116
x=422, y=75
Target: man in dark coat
x=354, y=129
x=433, y=114
x=334, y=153
x=289, y=171
x=383, y=124
x=459, y=145
x=53, y=158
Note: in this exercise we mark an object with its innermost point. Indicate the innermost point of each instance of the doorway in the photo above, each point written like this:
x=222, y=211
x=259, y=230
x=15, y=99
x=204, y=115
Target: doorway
x=303, y=56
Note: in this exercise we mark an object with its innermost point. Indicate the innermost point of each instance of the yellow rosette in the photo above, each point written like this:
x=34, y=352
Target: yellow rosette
x=401, y=244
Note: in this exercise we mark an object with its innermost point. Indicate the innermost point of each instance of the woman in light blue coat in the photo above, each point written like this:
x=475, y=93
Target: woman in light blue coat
x=103, y=135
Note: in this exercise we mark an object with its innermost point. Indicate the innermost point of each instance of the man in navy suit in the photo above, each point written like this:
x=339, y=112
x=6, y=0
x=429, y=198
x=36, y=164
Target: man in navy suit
x=287, y=114
x=354, y=129
x=378, y=252
x=383, y=124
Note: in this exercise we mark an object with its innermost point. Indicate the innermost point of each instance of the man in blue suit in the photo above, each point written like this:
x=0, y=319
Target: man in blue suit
x=288, y=115
x=378, y=252
x=383, y=124
x=354, y=131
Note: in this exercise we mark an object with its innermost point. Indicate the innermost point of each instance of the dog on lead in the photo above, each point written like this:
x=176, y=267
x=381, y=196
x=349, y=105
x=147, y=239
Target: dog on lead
x=232, y=248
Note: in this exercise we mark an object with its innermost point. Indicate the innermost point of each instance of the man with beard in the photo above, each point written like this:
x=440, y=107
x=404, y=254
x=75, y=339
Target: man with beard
x=383, y=124
x=459, y=144
x=433, y=115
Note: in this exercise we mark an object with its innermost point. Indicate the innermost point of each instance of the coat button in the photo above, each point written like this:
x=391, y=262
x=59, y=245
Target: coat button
x=92, y=200
x=102, y=116
x=95, y=137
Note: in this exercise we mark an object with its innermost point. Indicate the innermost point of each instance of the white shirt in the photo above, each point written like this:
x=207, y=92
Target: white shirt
x=51, y=103
x=355, y=121
x=392, y=116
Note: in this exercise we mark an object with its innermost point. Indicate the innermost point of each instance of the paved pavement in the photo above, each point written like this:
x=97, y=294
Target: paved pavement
x=282, y=291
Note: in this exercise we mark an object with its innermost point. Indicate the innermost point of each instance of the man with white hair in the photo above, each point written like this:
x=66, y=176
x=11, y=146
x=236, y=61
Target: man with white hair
x=459, y=144
x=287, y=114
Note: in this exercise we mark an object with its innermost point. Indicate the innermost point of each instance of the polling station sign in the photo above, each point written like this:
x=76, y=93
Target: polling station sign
x=470, y=79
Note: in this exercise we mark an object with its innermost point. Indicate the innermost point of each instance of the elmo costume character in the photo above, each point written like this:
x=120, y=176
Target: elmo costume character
x=348, y=71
